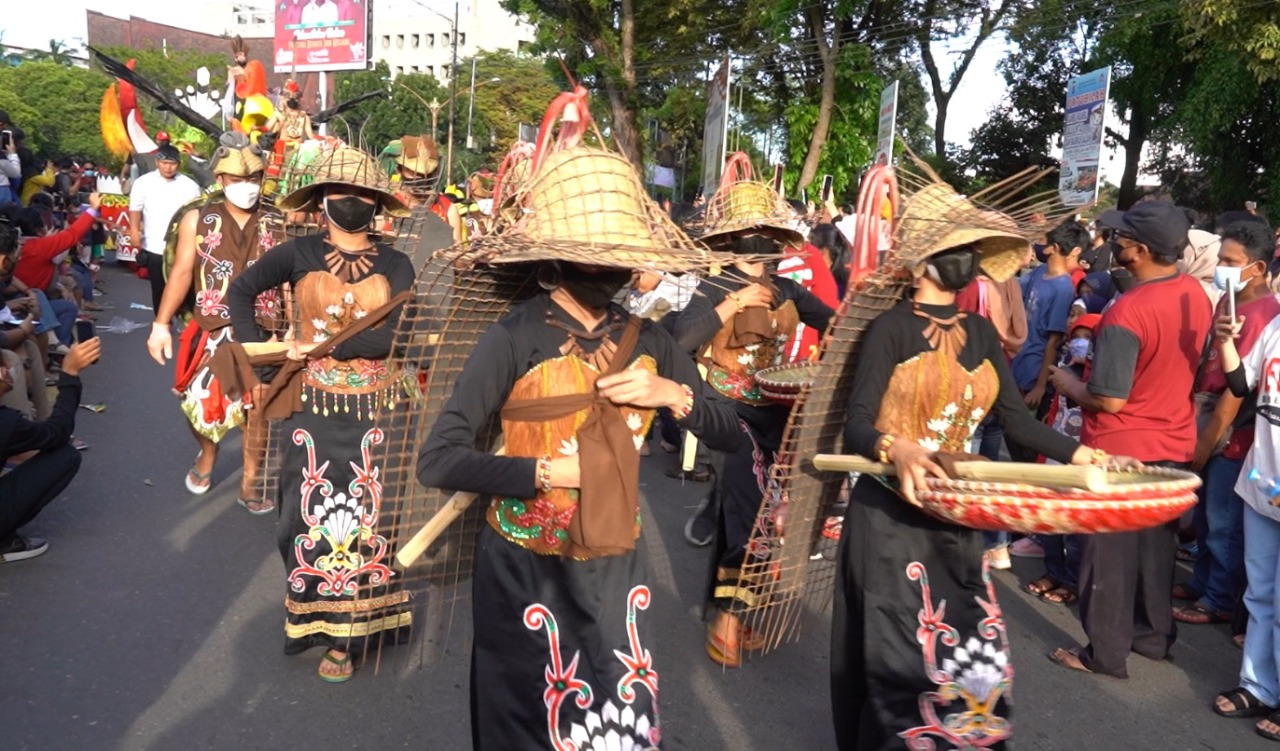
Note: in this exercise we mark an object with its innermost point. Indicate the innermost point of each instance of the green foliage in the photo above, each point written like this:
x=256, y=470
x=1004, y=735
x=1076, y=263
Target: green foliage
x=56, y=106
x=405, y=112
x=1247, y=28
x=520, y=95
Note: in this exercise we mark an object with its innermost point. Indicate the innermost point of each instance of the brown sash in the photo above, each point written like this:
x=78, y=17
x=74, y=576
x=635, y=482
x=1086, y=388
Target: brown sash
x=233, y=367
x=605, y=520
x=753, y=325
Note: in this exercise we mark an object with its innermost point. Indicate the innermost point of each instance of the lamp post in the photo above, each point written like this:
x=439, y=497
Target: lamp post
x=471, y=101
x=436, y=105
x=453, y=86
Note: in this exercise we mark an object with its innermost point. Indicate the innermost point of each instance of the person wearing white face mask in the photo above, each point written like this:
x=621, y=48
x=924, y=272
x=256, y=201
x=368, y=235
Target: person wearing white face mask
x=217, y=240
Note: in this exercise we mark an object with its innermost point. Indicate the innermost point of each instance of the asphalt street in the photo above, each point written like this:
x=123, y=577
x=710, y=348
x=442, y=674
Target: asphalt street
x=155, y=622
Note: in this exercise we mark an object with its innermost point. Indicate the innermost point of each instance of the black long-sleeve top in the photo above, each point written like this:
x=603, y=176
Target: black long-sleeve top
x=699, y=321
x=897, y=336
x=1238, y=382
x=508, y=350
x=292, y=260
x=19, y=435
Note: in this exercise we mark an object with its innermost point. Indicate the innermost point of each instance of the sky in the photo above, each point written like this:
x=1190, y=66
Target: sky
x=981, y=88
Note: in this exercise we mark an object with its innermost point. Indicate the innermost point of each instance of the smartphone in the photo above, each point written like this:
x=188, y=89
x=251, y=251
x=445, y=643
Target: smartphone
x=82, y=197
x=5, y=137
x=84, y=331
x=777, y=178
x=59, y=218
x=804, y=196
x=827, y=181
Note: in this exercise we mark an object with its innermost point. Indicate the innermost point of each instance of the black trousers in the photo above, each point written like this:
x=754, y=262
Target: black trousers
x=30, y=487
x=154, y=263
x=1020, y=453
x=1126, y=603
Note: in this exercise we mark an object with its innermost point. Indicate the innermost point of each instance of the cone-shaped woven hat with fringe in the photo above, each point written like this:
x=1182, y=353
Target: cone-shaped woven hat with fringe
x=345, y=165
x=936, y=219
x=742, y=204
x=587, y=205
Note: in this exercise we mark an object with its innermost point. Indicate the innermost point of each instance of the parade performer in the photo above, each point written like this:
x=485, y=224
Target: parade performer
x=291, y=125
x=216, y=241
x=330, y=493
x=919, y=651
x=561, y=653
x=743, y=319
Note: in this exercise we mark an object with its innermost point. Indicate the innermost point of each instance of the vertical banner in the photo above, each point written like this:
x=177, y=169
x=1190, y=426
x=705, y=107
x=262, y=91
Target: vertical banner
x=888, y=121
x=317, y=35
x=716, y=130
x=1087, y=102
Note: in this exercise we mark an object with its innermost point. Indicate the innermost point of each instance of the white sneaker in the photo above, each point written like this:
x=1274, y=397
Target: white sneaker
x=22, y=548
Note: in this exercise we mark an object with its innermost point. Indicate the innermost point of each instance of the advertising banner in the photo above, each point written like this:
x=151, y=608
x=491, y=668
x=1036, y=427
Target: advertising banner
x=316, y=35
x=888, y=121
x=1082, y=137
x=114, y=214
x=716, y=130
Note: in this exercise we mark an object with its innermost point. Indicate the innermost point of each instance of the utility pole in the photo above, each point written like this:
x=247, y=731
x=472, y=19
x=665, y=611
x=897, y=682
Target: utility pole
x=453, y=98
x=471, y=102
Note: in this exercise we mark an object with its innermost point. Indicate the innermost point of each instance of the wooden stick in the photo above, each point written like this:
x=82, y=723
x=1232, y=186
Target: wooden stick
x=1090, y=478
x=689, y=456
x=436, y=525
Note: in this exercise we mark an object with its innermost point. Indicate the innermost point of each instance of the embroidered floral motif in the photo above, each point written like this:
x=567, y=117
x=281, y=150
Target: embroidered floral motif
x=357, y=373
x=344, y=522
x=209, y=301
x=608, y=729
x=954, y=429
x=972, y=677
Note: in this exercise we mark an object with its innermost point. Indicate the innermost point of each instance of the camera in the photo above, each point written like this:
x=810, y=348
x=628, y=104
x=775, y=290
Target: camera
x=82, y=198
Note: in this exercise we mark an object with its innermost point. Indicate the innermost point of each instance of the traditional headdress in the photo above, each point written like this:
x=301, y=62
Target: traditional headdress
x=742, y=204
x=419, y=154
x=344, y=165
x=936, y=218
x=238, y=162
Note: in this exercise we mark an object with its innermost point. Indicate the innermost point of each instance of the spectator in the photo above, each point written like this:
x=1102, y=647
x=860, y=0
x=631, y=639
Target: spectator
x=26, y=490
x=1226, y=434
x=811, y=268
x=1048, y=294
x=1199, y=261
x=18, y=342
x=35, y=182
x=10, y=165
x=1145, y=355
x=39, y=252
x=153, y=200
x=848, y=222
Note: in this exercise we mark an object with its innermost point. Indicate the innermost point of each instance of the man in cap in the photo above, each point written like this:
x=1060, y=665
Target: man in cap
x=153, y=200
x=216, y=241
x=1137, y=401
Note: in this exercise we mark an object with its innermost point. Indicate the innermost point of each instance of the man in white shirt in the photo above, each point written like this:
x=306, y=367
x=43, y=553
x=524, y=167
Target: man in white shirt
x=847, y=222
x=320, y=13
x=154, y=198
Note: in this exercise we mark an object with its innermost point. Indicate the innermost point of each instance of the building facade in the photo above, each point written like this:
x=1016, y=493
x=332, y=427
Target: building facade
x=412, y=38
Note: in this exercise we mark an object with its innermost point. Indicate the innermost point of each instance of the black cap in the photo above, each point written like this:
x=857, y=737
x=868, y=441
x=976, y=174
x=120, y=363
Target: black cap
x=167, y=153
x=1159, y=225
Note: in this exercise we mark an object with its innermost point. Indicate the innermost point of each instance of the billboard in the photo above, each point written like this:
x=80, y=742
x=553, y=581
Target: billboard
x=1082, y=137
x=716, y=130
x=315, y=35
x=888, y=119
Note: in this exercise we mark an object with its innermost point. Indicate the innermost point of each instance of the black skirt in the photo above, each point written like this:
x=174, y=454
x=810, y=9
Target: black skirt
x=918, y=643
x=340, y=585
x=561, y=651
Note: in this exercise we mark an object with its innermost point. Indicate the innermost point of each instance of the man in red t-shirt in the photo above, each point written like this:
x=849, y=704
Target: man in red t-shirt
x=1138, y=402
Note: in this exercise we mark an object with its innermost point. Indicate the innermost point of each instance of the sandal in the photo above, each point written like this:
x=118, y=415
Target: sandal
x=1060, y=596
x=1040, y=586
x=1243, y=704
x=342, y=665
x=257, y=506
x=199, y=483
x=1197, y=614
x=1271, y=735
x=1183, y=592
x=1068, y=659
x=719, y=652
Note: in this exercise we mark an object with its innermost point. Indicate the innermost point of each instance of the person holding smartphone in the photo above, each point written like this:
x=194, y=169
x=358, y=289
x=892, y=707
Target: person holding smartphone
x=10, y=166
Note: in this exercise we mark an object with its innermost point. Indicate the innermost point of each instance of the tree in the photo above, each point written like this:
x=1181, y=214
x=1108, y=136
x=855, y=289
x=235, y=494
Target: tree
x=57, y=107
x=523, y=90
x=58, y=53
x=404, y=112
x=1248, y=28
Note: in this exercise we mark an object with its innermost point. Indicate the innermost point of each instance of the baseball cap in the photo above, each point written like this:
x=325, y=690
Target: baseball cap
x=1159, y=225
x=167, y=153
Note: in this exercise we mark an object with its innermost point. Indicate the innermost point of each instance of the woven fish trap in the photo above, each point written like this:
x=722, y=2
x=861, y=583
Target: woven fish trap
x=1137, y=500
x=741, y=204
x=791, y=562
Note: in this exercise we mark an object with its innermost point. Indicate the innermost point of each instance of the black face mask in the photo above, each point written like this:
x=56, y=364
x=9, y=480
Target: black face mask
x=955, y=269
x=1122, y=280
x=596, y=290
x=755, y=245
x=350, y=213
x=293, y=103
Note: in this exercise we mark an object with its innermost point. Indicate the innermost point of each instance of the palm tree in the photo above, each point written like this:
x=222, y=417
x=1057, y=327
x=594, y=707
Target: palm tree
x=58, y=52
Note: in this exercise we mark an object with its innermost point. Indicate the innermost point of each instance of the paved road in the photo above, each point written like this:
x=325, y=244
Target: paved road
x=154, y=622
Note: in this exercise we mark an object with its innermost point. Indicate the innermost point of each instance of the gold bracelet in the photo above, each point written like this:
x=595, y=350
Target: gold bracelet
x=1098, y=457
x=734, y=296
x=885, y=443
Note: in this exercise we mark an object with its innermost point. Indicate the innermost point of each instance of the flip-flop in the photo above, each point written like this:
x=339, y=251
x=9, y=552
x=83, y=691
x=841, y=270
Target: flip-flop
x=718, y=651
x=195, y=479
x=261, y=509
x=1040, y=586
x=1274, y=719
x=1060, y=596
x=345, y=661
x=1197, y=614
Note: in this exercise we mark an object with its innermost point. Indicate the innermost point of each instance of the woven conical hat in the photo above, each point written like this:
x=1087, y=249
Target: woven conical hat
x=345, y=165
x=936, y=218
x=742, y=204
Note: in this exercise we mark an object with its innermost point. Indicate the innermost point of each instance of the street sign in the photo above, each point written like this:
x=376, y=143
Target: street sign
x=1087, y=102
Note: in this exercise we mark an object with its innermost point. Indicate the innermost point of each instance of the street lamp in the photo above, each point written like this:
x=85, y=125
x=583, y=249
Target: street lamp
x=453, y=86
x=435, y=105
x=471, y=100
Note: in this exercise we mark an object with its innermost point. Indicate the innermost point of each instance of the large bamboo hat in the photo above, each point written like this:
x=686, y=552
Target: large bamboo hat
x=742, y=204
x=344, y=165
x=582, y=204
x=936, y=218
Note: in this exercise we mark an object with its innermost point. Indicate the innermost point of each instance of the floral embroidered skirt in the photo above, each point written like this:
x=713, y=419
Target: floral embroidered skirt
x=341, y=590
x=208, y=410
x=919, y=654
x=561, y=653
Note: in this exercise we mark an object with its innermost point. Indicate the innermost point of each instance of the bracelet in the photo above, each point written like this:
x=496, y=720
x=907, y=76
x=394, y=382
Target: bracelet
x=544, y=474
x=885, y=443
x=734, y=296
x=1098, y=457
x=686, y=406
